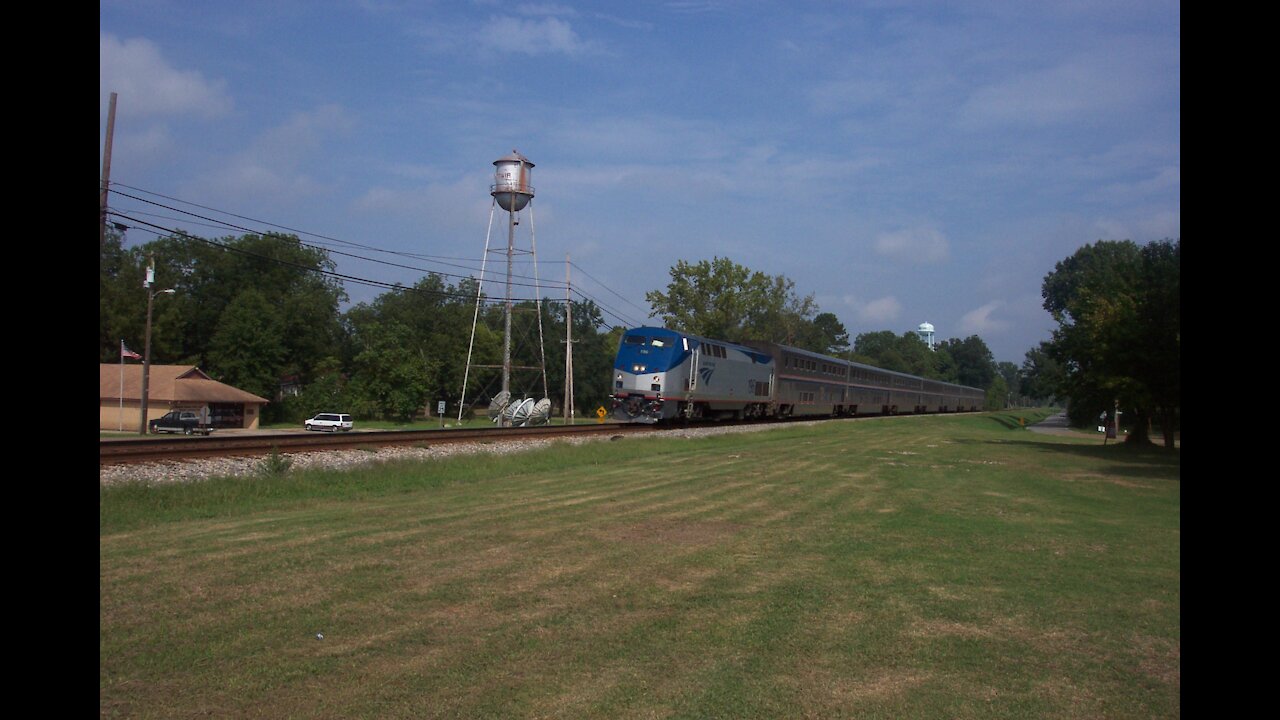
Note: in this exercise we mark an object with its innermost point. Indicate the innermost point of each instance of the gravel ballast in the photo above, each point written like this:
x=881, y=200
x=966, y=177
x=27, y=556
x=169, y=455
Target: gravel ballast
x=200, y=469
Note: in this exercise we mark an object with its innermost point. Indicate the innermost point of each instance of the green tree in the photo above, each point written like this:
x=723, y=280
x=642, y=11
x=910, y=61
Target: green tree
x=290, y=275
x=1119, y=332
x=390, y=372
x=905, y=353
x=997, y=394
x=1160, y=320
x=247, y=346
x=974, y=364
x=825, y=334
x=1011, y=375
x=722, y=299
x=208, y=276
x=1041, y=375
x=438, y=317
x=396, y=336
x=881, y=349
x=121, y=299
x=327, y=392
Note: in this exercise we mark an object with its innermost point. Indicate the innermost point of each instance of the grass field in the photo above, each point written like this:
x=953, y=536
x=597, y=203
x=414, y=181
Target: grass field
x=922, y=567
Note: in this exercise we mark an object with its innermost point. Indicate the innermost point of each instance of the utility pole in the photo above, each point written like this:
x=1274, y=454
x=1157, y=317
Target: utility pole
x=568, y=345
x=106, y=175
x=146, y=352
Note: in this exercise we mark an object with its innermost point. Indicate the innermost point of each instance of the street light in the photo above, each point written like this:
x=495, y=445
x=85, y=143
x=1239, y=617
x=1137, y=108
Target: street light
x=146, y=351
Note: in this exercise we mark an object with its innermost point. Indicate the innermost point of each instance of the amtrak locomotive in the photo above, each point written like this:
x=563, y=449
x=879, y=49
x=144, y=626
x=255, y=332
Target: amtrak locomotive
x=662, y=374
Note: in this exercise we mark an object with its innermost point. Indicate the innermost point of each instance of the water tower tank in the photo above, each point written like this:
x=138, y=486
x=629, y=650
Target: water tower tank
x=925, y=331
x=511, y=186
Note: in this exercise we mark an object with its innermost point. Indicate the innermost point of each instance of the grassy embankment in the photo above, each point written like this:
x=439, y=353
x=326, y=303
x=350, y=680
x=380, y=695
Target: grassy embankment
x=950, y=567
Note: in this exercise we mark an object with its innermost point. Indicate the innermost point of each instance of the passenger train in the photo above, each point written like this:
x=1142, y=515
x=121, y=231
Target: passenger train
x=661, y=374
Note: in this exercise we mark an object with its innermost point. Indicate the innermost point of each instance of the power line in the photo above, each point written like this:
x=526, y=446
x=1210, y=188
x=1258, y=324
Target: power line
x=231, y=226
x=606, y=287
x=160, y=230
x=405, y=253
x=217, y=223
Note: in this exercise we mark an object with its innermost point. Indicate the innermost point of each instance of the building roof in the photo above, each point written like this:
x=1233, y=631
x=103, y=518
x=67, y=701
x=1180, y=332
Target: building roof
x=169, y=383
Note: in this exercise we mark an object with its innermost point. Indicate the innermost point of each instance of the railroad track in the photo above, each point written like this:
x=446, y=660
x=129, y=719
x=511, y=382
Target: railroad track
x=149, y=449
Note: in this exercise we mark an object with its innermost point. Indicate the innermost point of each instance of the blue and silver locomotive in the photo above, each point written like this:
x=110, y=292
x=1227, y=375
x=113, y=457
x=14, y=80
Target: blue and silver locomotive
x=661, y=374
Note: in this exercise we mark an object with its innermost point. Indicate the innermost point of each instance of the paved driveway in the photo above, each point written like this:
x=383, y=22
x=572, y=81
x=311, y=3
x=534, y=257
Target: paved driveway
x=1057, y=425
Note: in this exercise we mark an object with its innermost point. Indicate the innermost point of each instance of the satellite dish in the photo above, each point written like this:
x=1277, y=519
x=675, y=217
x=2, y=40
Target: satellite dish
x=520, y=411
x=540, y=413
x=498, y=405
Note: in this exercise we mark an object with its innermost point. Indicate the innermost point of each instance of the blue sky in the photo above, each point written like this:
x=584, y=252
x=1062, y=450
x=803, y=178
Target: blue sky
x=902, y=162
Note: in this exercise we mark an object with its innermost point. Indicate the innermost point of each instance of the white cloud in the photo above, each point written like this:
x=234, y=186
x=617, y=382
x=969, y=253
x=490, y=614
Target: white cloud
x=846, y=95
x=915, y=245
x=532, y=37
x=623, y=22
x=1161, y=225
x=456, y=209
x=146, y=84
x=546, y=9
x=695, y=6
x=1084, y=88
x=273, y=165
x=1159, y=181
x=979, y=321
x=879, y=312
x=151, y=143
x=302, y=134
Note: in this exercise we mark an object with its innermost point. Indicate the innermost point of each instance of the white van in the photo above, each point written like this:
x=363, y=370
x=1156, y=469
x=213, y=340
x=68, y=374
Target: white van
x=333, y=422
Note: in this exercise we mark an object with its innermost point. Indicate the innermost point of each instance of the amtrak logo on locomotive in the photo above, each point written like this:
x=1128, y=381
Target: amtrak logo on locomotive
x=705, y=374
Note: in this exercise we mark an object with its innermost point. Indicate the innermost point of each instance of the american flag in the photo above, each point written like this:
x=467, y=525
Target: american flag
x=127, y=353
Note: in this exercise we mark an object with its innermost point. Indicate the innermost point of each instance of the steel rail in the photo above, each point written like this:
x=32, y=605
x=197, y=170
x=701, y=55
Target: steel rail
x=134, y=450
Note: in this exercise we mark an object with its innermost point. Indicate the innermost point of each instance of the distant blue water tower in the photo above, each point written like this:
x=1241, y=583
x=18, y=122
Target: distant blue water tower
x=925, y=331
x=511, y=186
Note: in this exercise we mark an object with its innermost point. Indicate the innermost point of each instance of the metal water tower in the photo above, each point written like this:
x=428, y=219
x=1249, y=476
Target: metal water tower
x=925, y=331
x=511, y=186
x=512, y=191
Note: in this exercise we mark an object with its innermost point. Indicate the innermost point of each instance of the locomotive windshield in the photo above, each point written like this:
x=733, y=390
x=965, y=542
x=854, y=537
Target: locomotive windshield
x=649, y=350
x=644, y=340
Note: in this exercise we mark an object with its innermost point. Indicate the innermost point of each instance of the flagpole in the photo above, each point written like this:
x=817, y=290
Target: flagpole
x=121, y=384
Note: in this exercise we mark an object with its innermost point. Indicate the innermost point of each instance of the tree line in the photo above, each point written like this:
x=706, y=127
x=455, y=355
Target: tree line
x=264, y=312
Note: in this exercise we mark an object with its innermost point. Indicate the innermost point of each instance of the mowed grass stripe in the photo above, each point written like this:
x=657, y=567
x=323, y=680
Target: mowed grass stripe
x=915, y=567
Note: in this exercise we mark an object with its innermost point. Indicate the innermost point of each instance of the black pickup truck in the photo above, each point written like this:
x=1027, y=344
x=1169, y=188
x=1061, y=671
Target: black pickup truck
x=186, y=422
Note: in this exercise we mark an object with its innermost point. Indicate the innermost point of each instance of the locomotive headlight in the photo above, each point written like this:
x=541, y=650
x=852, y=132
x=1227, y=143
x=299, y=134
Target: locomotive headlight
x=637, y=369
